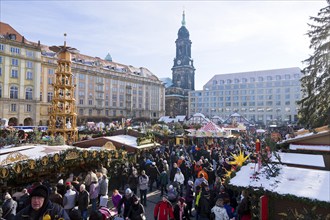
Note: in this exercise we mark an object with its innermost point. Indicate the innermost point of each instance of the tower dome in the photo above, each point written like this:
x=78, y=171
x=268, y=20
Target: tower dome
x=108, y=57
x=183, y=31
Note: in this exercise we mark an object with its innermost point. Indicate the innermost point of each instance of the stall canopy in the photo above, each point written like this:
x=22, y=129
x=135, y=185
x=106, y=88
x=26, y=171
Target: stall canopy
x=129, y=142
x=198, y=118
x=209, y=130
x=236, y=118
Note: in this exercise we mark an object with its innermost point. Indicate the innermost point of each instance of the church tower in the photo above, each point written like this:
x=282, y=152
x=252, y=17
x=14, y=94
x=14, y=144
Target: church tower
x=183, y=71
x=183, y=75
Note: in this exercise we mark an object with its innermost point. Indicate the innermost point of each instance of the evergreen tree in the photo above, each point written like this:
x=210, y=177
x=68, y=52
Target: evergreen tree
x=315, y=103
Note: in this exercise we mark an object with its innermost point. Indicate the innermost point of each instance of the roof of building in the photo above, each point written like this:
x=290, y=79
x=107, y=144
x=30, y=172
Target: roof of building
x=6, y=30
x=167, y=82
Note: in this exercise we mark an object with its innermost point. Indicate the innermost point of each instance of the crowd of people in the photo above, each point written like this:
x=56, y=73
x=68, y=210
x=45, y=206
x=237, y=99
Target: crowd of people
x=189, y=179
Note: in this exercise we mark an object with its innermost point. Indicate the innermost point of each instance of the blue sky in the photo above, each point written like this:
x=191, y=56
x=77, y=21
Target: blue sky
x=227, y=36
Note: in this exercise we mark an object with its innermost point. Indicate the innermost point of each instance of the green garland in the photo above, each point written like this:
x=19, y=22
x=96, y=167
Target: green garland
x=68, y=158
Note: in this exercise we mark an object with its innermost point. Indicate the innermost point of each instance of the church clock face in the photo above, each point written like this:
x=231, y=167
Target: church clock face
x=178, y=62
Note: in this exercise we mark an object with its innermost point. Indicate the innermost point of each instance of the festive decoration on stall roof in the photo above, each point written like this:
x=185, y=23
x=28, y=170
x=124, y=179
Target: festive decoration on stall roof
x=44, y=160
x=4, y=172
x=56, y=157
x=18, y=168
x=13, y=157
x=32, y=164
x=85, y=154
x=239, y=159
x=59, y=161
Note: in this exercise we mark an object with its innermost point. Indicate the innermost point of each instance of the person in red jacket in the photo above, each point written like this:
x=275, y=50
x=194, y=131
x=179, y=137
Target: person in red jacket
x=163, y=210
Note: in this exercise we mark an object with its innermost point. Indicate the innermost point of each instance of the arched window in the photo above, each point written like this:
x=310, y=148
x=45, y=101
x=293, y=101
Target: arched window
x=28, y=93
x=13, y=92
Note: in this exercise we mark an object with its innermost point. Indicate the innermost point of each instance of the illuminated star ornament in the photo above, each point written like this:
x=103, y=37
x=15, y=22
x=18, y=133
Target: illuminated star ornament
x=239, y=159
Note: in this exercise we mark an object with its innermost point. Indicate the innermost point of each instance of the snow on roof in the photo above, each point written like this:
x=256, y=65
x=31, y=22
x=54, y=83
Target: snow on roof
x=308, y=183
x=129, y=141
x=301, y=159
x=309, y=147
x=199, y=115
x=302, y=134
x=32, y=151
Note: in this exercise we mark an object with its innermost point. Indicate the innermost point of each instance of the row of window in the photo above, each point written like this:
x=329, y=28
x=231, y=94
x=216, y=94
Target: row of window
x=259, y=91
x=14, y=74
x=211, y=100
x=258, y=79
x=236, y=104
x=16, y=50
x=251, y=109
x=15, y=62
x=107, y=112
x=256, y=85
x=14, y=93
x=13, y=107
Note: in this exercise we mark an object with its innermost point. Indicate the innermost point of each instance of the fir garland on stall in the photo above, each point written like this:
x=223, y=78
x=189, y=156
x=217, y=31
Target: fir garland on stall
x=73, y=157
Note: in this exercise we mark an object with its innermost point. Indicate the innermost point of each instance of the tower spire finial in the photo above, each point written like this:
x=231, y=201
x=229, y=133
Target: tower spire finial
x=64, y=39
x=183, y=22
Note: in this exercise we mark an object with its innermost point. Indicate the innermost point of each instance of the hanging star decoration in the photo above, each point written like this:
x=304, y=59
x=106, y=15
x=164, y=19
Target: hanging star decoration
x=239, y=159
x=236, y=164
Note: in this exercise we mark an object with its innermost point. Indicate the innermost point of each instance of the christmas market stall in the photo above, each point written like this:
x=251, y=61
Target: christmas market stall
x=21, y=166
x=208, y=134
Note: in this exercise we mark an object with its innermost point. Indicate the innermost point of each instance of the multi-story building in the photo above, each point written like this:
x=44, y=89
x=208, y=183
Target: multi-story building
x=260, y=96
x=105, y=90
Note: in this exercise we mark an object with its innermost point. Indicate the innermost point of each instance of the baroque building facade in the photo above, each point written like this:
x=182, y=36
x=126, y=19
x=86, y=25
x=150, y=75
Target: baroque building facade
x=183, y=75
x=264, y=97
x=105, y=90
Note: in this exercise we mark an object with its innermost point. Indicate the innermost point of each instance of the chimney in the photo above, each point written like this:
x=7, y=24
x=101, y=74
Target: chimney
x=23, y=39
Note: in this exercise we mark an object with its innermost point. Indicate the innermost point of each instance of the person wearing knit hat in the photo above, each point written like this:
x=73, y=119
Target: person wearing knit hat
x=181, y=210
x=40, y=207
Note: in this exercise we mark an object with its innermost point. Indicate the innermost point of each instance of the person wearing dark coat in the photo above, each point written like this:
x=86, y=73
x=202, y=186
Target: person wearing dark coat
x=211, y=175
x=133, y=181
x=153, y=174
x=55, y=197
x=9, y=207
x=41, y=207
x=23, y=200
x=83, y=201
x=127, y=200
x=190, y=196
x=244, y=208
x=136, y=211
x=173, y=172
x=61, y=187
x=204, y=206
x=181, y=210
